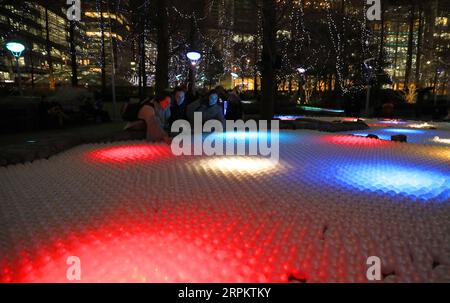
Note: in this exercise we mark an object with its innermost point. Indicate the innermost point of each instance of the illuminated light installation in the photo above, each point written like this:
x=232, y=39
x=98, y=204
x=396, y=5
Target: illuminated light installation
x=403, y=131
x=240, y=164
x=248, y=136
x=245, y=135
x=257, y=136
x=441, y=140
x=288, y=117
x=174, y=247
x=421, y=125
x=394, y=178
x=176, y=220
x=394, y=122
x=129, y=153
x=417, y=136
x=350, y=119
x=382, y=137
x=359, y=140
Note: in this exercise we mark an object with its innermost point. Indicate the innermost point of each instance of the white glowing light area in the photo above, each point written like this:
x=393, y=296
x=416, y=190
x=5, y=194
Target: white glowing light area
x=441, y=140
x=421, y=125
x=240, y=164
x=244, y=135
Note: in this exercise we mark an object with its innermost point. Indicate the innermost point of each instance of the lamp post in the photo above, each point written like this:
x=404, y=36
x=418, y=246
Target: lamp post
x=439, y=72
x=17, y=49
x=301, y=84
x=301, y=70
x=194, y=57
x=369, y=71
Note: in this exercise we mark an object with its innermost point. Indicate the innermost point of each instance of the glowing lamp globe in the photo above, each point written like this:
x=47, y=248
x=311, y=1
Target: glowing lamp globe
x=193, y=56
x=15, y=48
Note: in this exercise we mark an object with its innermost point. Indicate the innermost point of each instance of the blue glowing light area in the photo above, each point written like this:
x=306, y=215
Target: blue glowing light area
x=283, y=137
x=403, y=131
x=418, y=136
x=382, y=137
x=252, y=136
x=245, y=135
x=288, y=117
x=396, y=179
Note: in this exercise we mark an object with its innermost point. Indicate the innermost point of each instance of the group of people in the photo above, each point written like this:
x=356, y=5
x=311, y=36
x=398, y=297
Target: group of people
x=158, y=114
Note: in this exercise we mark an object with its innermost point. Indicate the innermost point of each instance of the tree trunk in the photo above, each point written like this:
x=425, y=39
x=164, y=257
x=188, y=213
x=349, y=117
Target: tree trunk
x=73, y=54
x=141, y=94
x=419, y=47
x=268, y=85
x=382, y=40
x=397, y=37
x=103, y=49
x=32, y=68
x=162, y=61
x=410, y=44
x=255, y=68
x=51, y=78
x=143, y=71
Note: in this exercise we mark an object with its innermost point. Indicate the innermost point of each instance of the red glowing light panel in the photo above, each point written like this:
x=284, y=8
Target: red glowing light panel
x=355, y=140
x=129, y=153
x=181, y=245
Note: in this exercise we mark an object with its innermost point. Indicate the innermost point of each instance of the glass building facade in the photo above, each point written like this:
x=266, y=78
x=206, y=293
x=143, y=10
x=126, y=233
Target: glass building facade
x=45, y=30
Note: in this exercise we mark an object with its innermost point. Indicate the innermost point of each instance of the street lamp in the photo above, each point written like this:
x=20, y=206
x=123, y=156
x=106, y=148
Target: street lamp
x=194, y=57
x=17, y=49
x=301, y=85
x=301, y=70
x=369, y=71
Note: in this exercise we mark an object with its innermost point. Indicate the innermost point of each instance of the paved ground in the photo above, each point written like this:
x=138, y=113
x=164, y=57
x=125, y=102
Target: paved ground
x=133, y=212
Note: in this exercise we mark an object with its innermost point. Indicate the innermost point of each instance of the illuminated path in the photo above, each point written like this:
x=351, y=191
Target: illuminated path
x=132, y=212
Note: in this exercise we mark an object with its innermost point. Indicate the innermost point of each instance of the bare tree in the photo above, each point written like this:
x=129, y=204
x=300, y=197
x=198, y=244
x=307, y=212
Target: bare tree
x=409, y=60
x=269, y=56
x=73, y=53
x=162, y=61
